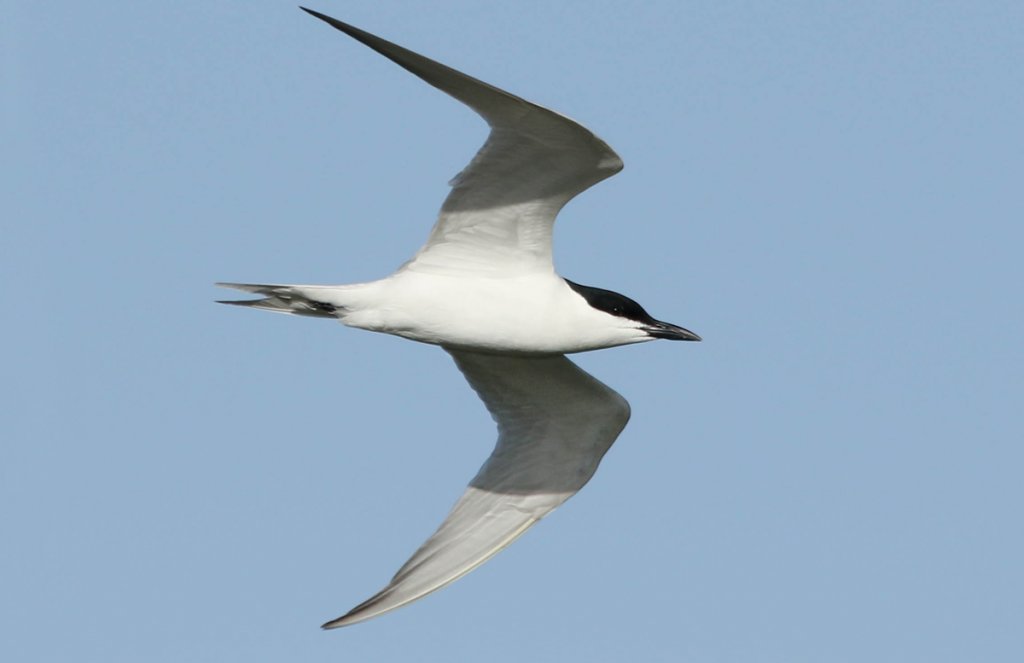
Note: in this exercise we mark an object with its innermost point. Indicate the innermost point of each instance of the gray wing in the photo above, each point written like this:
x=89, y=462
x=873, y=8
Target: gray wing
x=555, y=423
x=501, y=211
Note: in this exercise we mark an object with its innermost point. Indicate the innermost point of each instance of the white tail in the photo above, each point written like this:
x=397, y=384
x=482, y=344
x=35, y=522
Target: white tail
x=292, y=299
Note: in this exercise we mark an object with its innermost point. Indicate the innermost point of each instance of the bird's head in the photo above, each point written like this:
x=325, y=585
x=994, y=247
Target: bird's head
x=635, y=323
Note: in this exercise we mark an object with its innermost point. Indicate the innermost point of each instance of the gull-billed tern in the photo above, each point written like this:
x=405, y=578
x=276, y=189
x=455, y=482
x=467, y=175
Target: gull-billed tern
x=484, y=288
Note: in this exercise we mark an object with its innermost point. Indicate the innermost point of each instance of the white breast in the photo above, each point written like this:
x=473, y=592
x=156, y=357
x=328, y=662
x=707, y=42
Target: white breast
x=534, y=314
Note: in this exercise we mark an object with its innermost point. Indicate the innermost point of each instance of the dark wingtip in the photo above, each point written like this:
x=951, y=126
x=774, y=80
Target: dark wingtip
x=323, y=17
x=331, y=625
x=352, y=31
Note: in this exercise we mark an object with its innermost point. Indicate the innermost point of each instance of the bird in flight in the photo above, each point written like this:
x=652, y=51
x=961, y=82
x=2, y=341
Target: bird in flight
x=484, y=288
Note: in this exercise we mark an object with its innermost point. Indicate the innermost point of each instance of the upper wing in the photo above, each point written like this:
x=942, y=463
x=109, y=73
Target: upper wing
x=501, y=211
x=555, y=423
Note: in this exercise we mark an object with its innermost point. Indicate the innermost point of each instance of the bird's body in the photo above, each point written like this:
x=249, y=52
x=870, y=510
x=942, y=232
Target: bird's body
x=536, y=313
x=484, y=288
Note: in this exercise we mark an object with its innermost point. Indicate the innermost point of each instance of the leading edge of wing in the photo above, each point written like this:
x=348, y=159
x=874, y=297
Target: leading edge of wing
x=498, y=107
x=492, y=103
x=555, y=423
x=525, y=138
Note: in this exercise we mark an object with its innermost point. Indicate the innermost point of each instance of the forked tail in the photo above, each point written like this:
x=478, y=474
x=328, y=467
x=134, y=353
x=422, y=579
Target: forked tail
x=293, y=299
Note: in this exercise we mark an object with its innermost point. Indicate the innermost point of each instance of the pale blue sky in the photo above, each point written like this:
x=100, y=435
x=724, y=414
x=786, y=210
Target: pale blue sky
x=829, y=193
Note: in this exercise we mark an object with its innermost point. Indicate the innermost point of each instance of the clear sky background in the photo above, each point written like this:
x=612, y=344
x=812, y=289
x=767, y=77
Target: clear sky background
x=830, y=193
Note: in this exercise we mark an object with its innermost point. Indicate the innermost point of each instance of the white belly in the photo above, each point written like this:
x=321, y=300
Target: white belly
x=532, y=314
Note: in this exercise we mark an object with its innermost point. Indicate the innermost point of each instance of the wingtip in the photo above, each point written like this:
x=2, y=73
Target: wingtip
x=333, y=624
x=349, y=618
x=323, y=17
x=350, y=30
